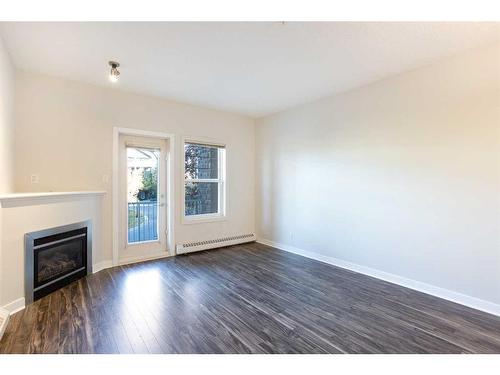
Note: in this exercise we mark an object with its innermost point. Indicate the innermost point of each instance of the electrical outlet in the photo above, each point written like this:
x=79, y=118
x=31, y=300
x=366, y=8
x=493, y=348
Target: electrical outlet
x=34, y=179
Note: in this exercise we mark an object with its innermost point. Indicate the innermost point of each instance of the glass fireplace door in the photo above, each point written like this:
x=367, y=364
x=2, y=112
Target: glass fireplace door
x=55, y=261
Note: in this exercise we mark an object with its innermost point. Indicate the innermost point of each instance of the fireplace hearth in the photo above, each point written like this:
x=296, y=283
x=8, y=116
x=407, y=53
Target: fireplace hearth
x=56, y=257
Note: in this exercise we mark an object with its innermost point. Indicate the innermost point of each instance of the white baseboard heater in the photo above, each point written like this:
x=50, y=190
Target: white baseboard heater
x=189, y=247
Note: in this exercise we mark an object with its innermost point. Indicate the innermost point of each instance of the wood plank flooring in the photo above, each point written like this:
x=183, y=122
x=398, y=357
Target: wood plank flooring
x=244, y=299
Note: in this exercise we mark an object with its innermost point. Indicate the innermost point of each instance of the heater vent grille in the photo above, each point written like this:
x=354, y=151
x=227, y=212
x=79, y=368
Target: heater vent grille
x=214, y=243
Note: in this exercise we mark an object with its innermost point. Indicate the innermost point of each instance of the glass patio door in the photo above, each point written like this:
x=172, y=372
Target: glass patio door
x=143, y=194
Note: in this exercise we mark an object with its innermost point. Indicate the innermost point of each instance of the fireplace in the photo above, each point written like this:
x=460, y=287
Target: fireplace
x=56, y=257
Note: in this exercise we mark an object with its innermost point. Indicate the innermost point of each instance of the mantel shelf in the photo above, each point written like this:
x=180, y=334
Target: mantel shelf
x=18, y=197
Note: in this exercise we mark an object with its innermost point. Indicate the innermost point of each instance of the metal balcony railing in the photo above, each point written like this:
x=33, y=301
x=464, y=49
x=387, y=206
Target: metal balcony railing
x=142, y=221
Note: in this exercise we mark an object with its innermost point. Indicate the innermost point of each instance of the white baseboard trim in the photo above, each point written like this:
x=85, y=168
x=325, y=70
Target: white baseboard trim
x=4, y=320
x=14, y=306
x=101, y=266
x=446, y=294
x=138, y=259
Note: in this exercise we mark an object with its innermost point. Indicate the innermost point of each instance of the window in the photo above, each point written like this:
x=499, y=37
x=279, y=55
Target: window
x=204, y=179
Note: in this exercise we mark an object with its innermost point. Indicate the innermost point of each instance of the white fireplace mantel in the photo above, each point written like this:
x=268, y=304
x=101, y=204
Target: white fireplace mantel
x=30, y=198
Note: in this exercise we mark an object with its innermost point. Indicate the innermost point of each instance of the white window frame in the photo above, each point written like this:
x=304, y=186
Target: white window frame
x=221, y=181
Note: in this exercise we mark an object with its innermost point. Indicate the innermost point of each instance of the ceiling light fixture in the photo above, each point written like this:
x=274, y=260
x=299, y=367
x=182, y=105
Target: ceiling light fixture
x=114, y=73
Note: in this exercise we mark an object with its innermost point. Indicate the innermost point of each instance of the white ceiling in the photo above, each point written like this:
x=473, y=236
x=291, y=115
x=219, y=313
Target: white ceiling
x=252, y=68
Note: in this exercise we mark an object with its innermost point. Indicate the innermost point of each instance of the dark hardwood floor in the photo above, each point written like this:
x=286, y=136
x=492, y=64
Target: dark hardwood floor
x=245, y=299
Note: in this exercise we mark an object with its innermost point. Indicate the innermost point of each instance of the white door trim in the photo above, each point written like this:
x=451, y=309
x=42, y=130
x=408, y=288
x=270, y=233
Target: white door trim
x=117, y=131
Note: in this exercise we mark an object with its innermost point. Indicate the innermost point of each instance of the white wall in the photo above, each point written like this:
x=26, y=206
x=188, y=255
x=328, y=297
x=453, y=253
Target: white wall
x=64, y=133
x=401, y=176
x=6, y=131
x=6, y=121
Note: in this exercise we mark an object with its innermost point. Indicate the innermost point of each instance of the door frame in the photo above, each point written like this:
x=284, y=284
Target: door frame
x=117, y=131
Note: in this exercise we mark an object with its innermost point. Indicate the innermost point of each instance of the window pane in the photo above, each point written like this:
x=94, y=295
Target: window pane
x=201, y=161
x=202, y=198
x=142, y=192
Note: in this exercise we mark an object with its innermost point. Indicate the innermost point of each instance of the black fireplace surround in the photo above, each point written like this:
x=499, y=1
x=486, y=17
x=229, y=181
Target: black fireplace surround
x=56, y=257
